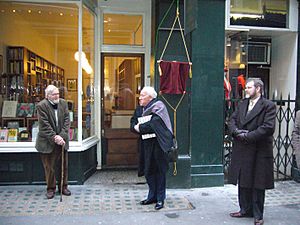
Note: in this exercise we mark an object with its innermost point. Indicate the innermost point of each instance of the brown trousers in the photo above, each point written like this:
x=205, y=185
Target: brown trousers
x=52, y=163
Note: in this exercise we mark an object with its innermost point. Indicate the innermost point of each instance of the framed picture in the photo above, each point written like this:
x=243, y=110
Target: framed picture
x=72, y=84
x=9, y=108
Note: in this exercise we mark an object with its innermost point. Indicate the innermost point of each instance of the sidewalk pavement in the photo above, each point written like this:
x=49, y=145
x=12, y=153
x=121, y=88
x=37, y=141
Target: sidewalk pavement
x=109, y=204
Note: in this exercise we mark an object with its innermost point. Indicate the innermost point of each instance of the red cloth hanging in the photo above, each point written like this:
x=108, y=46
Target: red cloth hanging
x=173, y=76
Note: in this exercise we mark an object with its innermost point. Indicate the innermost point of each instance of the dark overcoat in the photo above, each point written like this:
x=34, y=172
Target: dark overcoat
x=153, y=159
x=133, y=121
x=252, y=162
x=47, y=125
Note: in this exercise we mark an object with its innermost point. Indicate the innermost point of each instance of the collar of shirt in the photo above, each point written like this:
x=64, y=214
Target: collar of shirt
x=252, y=103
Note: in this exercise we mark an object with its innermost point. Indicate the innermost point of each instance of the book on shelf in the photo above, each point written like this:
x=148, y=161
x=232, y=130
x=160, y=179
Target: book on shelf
x=34, y=131
x=25, y=109
x=9, y=108
x=71, y=134
x=24, y=134
x=13, y=124
x=3, y=135
x=12, y=135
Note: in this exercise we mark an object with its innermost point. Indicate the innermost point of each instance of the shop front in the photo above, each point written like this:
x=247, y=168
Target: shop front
x=46, y=43
x=101, y=53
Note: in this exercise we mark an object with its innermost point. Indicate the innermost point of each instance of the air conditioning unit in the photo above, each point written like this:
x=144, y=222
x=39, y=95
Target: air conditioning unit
x=259, y=53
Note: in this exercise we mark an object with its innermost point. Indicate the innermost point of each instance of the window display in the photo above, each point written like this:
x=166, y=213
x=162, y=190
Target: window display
x=37, y=45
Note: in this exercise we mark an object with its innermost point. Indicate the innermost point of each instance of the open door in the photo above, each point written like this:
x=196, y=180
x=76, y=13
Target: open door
x=122, y=79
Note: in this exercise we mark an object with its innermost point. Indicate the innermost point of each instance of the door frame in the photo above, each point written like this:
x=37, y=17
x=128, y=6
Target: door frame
x=104, y=147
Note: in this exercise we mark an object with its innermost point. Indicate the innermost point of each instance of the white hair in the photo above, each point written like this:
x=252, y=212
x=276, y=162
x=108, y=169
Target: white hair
x=49, y=90
x=150, y=91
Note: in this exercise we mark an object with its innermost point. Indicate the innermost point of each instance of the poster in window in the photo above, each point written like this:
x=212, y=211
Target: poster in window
x=9, y=108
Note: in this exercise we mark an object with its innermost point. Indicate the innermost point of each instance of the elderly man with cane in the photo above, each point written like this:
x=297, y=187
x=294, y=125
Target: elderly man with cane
x=53, y=140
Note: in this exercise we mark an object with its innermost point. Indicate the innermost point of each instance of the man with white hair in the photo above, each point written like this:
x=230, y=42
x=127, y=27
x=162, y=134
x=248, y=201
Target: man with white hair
x=151, y=120
x=53, y=118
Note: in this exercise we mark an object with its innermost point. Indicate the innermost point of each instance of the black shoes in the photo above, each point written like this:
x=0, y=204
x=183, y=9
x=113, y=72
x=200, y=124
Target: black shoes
x=147, y=202
x=65, y=192
x=50, y=194
x=159, y=205
x=240, y=215
x=258, y=222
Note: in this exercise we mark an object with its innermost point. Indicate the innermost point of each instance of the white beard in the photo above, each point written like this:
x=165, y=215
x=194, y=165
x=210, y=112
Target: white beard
x=56, y=101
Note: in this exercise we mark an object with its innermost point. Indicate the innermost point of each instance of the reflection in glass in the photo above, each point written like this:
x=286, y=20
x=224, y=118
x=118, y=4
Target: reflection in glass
x=261, y=13
x=122, y=84
x=37, y=45
x=121, y=29
x=88, y=76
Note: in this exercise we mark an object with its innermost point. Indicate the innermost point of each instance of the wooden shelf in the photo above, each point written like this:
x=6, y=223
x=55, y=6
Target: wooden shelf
x=29, y=74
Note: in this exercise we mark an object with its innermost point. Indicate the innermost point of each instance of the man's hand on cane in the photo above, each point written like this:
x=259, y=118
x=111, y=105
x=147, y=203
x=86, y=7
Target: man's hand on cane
x=59, y=140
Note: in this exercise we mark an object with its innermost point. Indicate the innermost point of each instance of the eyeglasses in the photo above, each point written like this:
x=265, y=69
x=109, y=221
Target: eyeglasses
x=53, y=94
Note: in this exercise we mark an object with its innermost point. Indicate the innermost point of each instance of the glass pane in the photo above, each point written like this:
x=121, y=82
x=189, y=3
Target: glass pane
x=88, y=47
x=37, y=46
x=121, y=29
x=261, y=13
x=122, y=84
x=236, y=63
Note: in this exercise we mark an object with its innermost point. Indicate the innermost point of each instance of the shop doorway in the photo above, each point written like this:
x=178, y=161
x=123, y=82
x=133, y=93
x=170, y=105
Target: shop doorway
x=122, y=79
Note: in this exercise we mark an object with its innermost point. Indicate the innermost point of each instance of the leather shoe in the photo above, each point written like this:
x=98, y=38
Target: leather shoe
x=147, y=202
x=159, y=205
x=239, y=215
x=258, y=222
x=50, y=194
x=66, y=192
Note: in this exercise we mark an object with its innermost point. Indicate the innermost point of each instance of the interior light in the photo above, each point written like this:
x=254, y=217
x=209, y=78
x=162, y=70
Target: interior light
x=105, y=21
x=83, y=56
x=61, y=14
x=29, y=10
x=108, y=30
x=84, y=62
x=14, y=10
x=244, y=15
x=228, y=42
x=242, y=66
x=39, y=11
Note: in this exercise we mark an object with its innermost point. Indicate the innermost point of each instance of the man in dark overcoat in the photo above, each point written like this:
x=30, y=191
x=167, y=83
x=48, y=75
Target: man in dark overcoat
x=53, y=119
x=296, y=139
x=151, y=120
x=252, y=126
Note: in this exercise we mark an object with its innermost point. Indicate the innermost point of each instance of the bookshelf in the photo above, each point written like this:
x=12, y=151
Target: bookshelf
x=125, y=85
x=28, y=74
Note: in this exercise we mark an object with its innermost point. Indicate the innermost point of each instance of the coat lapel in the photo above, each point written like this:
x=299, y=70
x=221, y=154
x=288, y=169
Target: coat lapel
x=254, y=112
x=244, y=109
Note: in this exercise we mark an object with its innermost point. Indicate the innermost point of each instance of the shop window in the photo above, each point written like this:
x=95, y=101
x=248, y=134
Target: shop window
x=88, y=75
x=121, y=29
x=261, y=13
x=37, y=46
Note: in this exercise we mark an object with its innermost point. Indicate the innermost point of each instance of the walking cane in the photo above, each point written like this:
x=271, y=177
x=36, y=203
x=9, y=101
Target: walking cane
x=62, y=170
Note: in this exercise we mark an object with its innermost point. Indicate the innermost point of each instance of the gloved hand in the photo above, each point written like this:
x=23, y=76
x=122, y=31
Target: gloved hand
x=243, y=137
x=236, y=132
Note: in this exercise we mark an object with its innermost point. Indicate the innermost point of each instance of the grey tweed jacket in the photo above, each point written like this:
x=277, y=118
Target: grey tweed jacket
x=47, y=125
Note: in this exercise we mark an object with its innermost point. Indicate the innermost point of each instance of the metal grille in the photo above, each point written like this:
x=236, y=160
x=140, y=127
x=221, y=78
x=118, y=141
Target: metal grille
x=282, y=149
